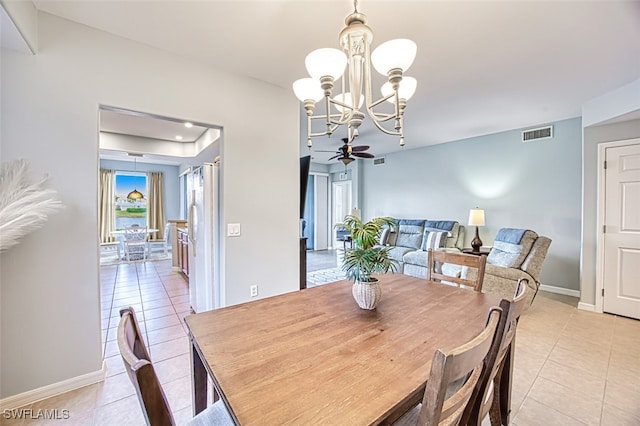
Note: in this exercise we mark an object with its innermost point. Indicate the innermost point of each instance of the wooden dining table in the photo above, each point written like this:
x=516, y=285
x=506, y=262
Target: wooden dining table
x=314, y=357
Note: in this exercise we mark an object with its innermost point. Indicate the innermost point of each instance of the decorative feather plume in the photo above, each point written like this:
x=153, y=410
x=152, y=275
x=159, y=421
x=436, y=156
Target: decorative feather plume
x=24, y=204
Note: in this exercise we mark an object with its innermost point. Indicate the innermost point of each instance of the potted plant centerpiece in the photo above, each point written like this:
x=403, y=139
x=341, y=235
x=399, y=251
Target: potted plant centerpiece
x=365, y=258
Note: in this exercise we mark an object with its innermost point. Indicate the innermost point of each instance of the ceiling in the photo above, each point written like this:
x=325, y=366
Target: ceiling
x=482, y=67
x=148, y=126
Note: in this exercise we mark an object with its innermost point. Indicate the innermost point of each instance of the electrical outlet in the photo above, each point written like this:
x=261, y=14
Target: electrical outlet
x=254, y=290
x=233, y=230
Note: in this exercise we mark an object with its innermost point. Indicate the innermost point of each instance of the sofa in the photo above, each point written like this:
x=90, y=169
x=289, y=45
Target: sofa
x=516, y=253
x=411, y=238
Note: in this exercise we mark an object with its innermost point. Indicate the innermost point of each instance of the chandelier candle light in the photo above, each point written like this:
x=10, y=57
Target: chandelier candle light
x=327, y=65
x=476, y=218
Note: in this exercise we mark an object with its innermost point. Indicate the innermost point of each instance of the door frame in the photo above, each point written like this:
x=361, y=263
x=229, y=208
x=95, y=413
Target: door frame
x=317, y=230
x=601, y=197
x=334, y=218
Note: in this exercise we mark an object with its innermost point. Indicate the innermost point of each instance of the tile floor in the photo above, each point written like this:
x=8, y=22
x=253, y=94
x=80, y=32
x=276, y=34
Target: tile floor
x=572, y=367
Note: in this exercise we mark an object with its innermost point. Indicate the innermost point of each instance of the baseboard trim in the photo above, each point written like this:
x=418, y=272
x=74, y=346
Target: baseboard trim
x=587, y=307
x=53, y=389
x=560, y=290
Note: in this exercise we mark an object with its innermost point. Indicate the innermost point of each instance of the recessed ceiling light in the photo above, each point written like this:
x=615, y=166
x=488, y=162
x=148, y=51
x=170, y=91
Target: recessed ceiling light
x=179, y=137
x=187, y=124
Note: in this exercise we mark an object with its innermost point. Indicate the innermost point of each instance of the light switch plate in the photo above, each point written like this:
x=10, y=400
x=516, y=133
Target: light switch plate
x=233, y=230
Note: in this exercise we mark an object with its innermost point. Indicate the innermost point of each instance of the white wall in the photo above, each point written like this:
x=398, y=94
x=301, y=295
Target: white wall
x=24, y=16
x=533, y=185
x=50, y=319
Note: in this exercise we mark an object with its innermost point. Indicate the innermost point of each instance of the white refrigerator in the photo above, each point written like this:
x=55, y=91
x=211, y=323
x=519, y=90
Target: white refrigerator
x=203, y=222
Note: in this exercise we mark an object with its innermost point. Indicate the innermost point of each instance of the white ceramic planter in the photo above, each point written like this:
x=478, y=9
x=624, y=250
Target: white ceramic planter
x=367, y=294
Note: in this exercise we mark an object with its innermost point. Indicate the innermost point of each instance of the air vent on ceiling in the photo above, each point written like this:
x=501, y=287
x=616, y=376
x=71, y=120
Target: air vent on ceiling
x=537, y=134
x=377, y=161
x=135, y=154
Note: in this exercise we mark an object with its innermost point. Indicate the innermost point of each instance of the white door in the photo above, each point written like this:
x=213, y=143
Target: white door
x=622, y=231
x=341, y=202
x=321, y=223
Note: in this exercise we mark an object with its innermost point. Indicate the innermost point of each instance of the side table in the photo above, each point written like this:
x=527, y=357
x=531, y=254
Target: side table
x=483, y=251
x=346, y=240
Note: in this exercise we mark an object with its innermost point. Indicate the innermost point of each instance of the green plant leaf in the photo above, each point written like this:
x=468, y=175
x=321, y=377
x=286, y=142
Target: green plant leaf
x=365, y=258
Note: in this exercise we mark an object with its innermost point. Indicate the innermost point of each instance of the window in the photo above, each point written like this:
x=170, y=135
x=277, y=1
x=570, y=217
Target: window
x=131, y=199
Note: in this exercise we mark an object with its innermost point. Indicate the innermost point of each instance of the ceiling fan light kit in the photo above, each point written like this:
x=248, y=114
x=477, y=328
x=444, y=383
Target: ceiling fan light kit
x=347, y=152
x=327, y=65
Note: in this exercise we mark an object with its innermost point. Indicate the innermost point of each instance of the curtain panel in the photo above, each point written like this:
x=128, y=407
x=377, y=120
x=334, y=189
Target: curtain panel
x=155, y=204
x=107, y=205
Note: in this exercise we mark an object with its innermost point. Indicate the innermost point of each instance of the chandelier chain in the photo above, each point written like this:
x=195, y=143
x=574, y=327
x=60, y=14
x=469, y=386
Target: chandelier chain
x=355, y=6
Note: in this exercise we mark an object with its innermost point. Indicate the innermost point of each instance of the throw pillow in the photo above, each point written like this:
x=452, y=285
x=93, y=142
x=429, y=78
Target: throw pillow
x=433, y=240
x=383, y=236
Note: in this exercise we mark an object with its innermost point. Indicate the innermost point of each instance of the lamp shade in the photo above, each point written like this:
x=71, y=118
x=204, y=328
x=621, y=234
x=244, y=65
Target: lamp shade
x=346, y=99
x=135, y=195
x=397, y=53
x=405, y=91
x=307, y=88
x=326, y=61
x=476, y=217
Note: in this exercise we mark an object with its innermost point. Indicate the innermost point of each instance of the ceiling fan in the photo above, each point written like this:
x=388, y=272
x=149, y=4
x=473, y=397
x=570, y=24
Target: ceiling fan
x=347, y=152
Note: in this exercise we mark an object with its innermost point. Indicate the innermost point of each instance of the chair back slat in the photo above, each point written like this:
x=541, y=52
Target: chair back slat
x=141, y=372
x=462, y=363
x=485, y=396
x=135, y=233
x=436, y=258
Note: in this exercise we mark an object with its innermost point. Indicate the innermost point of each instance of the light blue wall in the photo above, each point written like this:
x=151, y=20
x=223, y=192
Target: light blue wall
x=535, y=185
x=171, y=181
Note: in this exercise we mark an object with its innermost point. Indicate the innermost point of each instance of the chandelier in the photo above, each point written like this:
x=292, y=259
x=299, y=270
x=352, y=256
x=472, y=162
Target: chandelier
x=135, y=194
x=327, y=65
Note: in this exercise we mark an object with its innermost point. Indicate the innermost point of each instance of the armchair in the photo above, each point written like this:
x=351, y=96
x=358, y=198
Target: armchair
x=516, y=254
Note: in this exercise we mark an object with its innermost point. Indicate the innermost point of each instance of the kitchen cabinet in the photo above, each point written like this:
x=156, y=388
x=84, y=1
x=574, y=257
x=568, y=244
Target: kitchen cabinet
x=183, y=250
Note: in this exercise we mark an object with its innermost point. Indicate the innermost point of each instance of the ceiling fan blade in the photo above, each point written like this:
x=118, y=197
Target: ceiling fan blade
x=363, y=155
x=359, y=148
x=335, y=152
x=335, y=156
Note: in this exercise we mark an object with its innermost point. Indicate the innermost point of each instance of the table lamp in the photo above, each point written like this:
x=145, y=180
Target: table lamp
x=476, y=218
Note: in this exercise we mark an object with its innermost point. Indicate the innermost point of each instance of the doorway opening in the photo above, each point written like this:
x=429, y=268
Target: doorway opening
x=143, y=146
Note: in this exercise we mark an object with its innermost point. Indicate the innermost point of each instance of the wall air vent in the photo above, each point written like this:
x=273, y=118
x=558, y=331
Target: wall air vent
x=378, y=161
x=537, y=134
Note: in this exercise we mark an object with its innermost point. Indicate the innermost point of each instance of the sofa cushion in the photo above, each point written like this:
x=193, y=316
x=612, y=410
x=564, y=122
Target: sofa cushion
x=416, y=257
x=451, y=226
x=433, y=239
x=397, y=253
x=442, y=225
x=384, y=236
x=410, y=233
x=392, y=236
x=507, y=253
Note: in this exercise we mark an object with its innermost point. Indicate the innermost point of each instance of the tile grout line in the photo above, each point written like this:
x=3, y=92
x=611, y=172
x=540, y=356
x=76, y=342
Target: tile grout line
x=546, y=359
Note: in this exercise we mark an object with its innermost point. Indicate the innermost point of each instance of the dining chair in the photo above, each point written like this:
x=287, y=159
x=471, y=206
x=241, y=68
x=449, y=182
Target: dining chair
x=135, y=242
x=489, y=397
x=453, y=377
x=152, y=398
x=110, y=246
x=162, y=241
x=437, y=258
